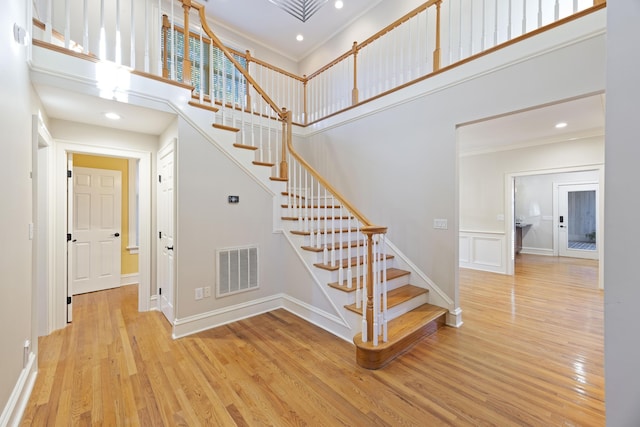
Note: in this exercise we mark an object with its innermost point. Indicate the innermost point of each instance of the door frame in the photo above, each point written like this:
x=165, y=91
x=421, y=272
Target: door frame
x=556, y=213
x=58, y=286
x=509, y=212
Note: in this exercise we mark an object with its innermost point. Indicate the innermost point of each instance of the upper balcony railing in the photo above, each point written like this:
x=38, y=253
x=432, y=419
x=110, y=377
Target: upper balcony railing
x=435, y=36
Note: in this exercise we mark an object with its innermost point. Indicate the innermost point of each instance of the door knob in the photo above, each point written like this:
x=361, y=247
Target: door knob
x=116, y=234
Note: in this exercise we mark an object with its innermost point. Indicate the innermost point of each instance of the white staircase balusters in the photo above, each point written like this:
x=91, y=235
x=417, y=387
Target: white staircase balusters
x=333, y=233
x=319, y=220
x=340, y=257
x=385, y=309
x=325, y=252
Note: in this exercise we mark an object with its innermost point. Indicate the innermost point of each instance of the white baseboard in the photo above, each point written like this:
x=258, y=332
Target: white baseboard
x=322, y=319
x=129, y=279
x=14, y=410
x=201, y=322
x=537, y=251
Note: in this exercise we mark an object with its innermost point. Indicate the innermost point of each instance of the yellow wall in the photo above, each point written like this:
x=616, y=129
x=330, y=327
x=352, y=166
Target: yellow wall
x=129, y=261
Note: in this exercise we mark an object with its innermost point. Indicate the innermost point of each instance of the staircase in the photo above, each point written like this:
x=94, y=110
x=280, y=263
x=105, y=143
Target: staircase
x=331, y=242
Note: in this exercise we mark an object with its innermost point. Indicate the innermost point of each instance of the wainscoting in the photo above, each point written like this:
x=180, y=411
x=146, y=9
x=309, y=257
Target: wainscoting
x=485, y=251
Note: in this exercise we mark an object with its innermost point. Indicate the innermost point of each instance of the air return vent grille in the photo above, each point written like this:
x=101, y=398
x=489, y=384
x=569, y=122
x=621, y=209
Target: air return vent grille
x=237, y=270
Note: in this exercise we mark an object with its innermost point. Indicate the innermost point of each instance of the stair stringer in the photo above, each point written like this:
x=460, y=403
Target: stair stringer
x=420, y=279
x=201, y=120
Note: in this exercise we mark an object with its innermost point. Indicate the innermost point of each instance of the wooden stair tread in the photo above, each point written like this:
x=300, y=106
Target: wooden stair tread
x=225, y=127
x=395, y=297
x=257, y=163
x=345, y=263
x=208, y=107
x=345, y=245
x=322, y=218
x=323, y=231
x=403, y=333
x=392, y=273
x=314, y=206
x=245, y=147
x=277, y=178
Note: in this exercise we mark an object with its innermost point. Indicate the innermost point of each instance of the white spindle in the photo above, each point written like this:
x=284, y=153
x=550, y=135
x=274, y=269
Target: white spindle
x=376, y=292
x=118, y=55
x=524, y=16
x=173, y=45
x=48, y=27
x=306, y=200
x=509, y=19
x=132, y=30
x=325, y=252
x=201, y=67
x=160, y=22
x=484, y=25
x=102, y=52
x=340, y=252
x=495, y=25
x=556, y=11
x=85, y=29
x=539, y=13
x=385, y=312
x=333, y=232
x=349, y=244
x=319, y=220
x=67, y=24
x=147, y=62
x=359, y=266
x=311, y=232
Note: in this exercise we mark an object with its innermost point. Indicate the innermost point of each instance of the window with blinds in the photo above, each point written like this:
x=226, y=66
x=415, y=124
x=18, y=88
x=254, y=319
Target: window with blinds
x=208, y=64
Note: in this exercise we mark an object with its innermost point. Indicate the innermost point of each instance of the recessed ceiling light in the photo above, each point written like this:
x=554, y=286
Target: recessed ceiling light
x=338, y=4
x=299, y=37
x=112, y=116
x=561, y=125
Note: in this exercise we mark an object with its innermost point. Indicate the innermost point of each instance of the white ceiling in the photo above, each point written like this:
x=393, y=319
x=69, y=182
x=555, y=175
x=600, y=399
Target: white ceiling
x=64, y=104
x=267, y=24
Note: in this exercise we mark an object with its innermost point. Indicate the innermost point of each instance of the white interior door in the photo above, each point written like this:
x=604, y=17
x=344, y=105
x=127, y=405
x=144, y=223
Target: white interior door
x=578, y=220
x=166, y=224
x=96, y=212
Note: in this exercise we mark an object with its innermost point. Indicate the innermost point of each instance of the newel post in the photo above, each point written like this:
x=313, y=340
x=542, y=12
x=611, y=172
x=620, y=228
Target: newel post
x=354, y=93
x=369, y=309
x=436, y=51
x=165, y=51
x=287, y=134
x=186, y=62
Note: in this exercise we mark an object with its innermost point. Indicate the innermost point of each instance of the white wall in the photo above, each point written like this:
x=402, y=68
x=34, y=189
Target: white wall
x=207, y=222
x=622, y=293
x=15, y=206
x=400, y=165
x=482, y=177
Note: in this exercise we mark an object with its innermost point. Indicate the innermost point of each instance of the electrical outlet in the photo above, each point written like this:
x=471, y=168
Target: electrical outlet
x=198, y=293
x=207, y=291
x=440, y=224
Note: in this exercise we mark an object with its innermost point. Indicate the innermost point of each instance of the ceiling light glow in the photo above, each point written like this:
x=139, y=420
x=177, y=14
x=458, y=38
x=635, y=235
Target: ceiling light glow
x=299, y=37
x=112, y=116
x=338, y=4
x=561, y=125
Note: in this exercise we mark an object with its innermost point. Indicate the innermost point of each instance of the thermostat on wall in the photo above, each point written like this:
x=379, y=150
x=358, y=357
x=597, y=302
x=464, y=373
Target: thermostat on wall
x=234, y=199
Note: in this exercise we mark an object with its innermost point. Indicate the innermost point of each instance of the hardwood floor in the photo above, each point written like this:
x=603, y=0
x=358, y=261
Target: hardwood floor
x=529, y=353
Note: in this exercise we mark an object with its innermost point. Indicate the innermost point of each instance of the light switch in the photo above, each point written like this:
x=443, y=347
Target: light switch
x=440, y=224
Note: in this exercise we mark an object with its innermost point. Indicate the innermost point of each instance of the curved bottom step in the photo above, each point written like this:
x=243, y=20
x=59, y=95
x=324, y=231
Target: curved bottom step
x=403, y=333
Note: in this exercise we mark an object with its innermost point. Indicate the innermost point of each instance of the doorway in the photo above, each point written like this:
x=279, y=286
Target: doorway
x=58, y=300
x=577, y=220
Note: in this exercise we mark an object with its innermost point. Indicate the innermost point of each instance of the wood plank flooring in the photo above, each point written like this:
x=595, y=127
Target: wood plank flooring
x=530, y=353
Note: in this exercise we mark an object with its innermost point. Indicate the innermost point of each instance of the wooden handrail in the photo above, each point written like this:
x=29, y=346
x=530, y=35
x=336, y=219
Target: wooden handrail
x=376, y=36
x=356, y=213
x=234, y=61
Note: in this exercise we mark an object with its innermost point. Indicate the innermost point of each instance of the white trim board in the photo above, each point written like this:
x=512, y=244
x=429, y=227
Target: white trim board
x=14, y=409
